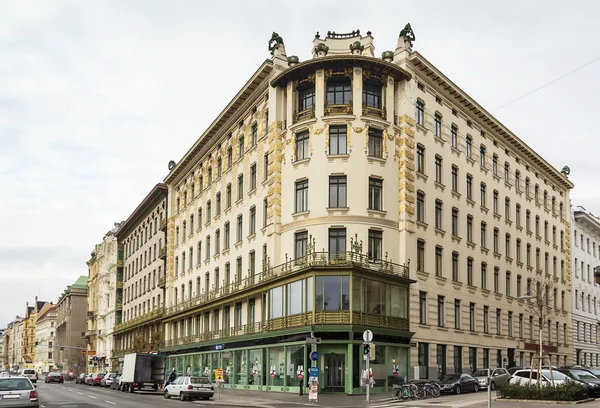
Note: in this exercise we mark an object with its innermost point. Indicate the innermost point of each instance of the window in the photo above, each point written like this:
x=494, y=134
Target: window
x=528, y=220
x=483, y=276
x=507, y=208
x=240, y=187
x=498, y=321
x=252, y=220
x=455, y=222
x=420, y=206
x=209, y=175
x=455, y=272
x=507, y=245
x=496, y=280
x=483, y=234
x=495, y=165
x=422, y=307
x=420, y=113
x=536, y=194
x=486, y=319
x=519, y=250
x=338, y=139
x=253, y=177
x=265, y=212
x=240, y=233
x=438, y=214
x=241, y=145
x=472, y=317
x=440, y=310
x=518, y=214
x=217, y=243
x=337, y=242
x=454, y=136
x=438, y=169
x=306, y=98
x=439, y=261
x=228, y=196
x=372, y=94
x=495, y=202
x=266, y=166
x=537, y=225
x=207, y=247
x=301, y=245
x=208, y=211
x=518, y=180
x=496, y=240
x=507, y=172
x=457, y=314
x=375, y=193
x=217, y=210
x=482, y=156
x=483, y=190
x=339, y=91
x=455, y=179
x=470, y=271
x=227, y=236
x=219, y=167
x=375, y=245
x=469, y=187
x=469, y=228
x=420, y=255
x=302, y=151
x=375, y=143
x=421, y=159
x=469, y=144
x=437, y=125
x=301, y=196
x=337, y=192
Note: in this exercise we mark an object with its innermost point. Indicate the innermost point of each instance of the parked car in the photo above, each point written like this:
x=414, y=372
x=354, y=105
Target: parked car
x=95, y=379
x=80, y=379
x=18, y=391
x=586, y=378
x=523, y=376
x=458, y=383
x=29, y=373
x=108, y=379
x=54, y=377
x=499, y=377
x=186, y=387
x=116, y=383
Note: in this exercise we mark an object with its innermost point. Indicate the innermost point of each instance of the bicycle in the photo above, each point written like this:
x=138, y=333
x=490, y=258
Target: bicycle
x=406, y=391
x=431, y=388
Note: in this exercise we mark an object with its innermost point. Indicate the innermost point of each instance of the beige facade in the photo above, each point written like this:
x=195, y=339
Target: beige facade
x=45, y=329
x=140, y=276
x=385, y=157
x=71, y=312
x=12, y=341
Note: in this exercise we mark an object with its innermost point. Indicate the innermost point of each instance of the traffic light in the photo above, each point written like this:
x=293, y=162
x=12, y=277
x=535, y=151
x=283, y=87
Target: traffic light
x=366, y=348
x=37, y=343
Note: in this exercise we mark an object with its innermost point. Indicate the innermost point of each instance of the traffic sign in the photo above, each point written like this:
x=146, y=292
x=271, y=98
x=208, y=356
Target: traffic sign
x=95, y=358
x=313, y=371
x=219, y=374
x=300, y=376
x=313, y=340
x=219, y=347
x=314, y=356
x=368, y=336
x=272, y=375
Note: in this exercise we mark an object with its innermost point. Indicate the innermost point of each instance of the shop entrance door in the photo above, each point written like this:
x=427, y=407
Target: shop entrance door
x=334, y=372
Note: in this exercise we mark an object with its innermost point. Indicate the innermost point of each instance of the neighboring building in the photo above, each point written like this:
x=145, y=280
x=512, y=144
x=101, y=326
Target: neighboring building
x=9, y=341
x=71, y=311
x=267, y=246
x=586, y=294
x=140, y=276
x=2, y=363
x=16, y=352
x=29, y=328
x=102, y=300
x=45, y=336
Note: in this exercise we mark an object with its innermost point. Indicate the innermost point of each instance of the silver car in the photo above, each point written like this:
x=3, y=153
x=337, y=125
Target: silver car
x=499, y=377
x=17, y=392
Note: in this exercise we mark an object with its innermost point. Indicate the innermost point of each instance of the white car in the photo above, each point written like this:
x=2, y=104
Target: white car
x=522, y=377
x=186, y=387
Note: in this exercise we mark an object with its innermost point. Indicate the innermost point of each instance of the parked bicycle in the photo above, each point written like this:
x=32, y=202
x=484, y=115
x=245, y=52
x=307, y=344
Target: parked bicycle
x=406, y=391
x=430, y=389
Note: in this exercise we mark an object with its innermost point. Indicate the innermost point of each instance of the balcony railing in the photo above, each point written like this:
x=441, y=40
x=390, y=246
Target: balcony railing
x=139, y=320
x=339, y=109
x=305, y=114
x=163, y=224
x=162, y=282
x=322, y=260
x=162, y=252
x=372, y=111
x=90, y=333
x=306, y=319
x=119, y=284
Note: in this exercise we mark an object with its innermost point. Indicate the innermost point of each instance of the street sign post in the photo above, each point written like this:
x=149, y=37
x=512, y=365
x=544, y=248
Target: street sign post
x=314, y=356
x=368, y=338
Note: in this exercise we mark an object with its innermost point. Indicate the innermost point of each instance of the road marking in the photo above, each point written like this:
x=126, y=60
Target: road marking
x=80, y=393
x=91, y=396
x=70, y=389
x=110, y=402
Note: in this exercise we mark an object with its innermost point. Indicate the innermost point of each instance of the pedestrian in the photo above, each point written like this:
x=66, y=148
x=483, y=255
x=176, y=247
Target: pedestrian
x=172, y=377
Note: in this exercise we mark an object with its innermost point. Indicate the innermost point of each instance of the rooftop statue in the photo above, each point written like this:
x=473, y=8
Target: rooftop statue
x=275, y=42
x=408, y=34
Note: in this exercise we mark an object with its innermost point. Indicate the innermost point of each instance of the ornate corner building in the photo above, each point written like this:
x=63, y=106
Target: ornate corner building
x=140, y=278
x=351, y=192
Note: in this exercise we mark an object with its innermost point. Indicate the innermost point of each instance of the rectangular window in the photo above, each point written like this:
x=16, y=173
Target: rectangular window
x=337, y=242
x=440, y=310
x=372, y=94
x=227, y=197
x=470, y=271
x=254, y=134
x=469, y=146
x=301, y=196
x=439, y=261
x=469, y=187
x=438, y=169
x=472, y=317
x=240, y=233
x=495, y=165
x=483, y=234
x=482, y=156
x=339, y=91
x=240, y=187
x=498, y=321
x=483, y=189
x=469, y=228
x=495, y=202
x=420, y=255
x=301, y=244
x=422, y=307
x=217, y=244
x=252, y=220
x=421, y=159
x=483, y=276
x=337, y=192
x=457, y=314
x=420, y=206
x=486, y=321
x=420, y=113
x=437, y=125
x=306, y=98
x=226, y=238
x=454, y=136
x=302, y=148
x=455, y=273
x=375, y=143
x=496, y=280
x=253, y=177
x=454, y=180
x=375, y=245
x=508, y=283
x=338, y=137
x=455, y=231
x=375, y=194
x=266, y=166
x=438, y=214
x=265, y=212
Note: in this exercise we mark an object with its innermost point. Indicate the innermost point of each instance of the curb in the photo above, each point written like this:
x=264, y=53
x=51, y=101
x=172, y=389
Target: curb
x=583, y=401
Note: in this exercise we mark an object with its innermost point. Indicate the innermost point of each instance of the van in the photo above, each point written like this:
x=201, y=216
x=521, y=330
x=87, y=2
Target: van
x=29, y=373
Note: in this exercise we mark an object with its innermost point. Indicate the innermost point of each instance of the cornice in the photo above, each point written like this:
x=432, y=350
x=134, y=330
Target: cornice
x=488, y=122
x=157, y=193
x=591, y=221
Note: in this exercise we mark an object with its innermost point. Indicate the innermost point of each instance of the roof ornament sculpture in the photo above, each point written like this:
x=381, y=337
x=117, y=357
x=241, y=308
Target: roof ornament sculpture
x=274, y=43
x=321, y=50
x=566, y=171
x=408, y=34
x=356, y=48
x=172, y=164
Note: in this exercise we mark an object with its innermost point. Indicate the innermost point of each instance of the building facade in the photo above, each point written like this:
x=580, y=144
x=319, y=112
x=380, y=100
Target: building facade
x=45, y=329
x=3, y=364
x=102, y=300
x=16, y=352
x=29, y=330
x=140, y=278
x=267, y=248
x=71, y=313
x=586, y=292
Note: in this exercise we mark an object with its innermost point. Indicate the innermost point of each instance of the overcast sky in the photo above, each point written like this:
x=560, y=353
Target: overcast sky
x=97, y=97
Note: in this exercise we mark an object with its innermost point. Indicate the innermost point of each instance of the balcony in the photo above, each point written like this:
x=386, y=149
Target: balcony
x=320, y=260
x=305, y=114
x=163, y=224
x=375, y=112
x=340, y=109
x=162, y=282
x=300, y=320
x=162, y=252
x=91, y=333
x=139, y=320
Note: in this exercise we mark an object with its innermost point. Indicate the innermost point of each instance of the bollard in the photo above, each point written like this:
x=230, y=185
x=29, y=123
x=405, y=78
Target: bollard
x=301, y=393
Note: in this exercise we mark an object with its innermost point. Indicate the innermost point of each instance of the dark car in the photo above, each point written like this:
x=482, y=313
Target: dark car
x=458, y=383
x=95, y=379
x=80, y=379
x=585, y=377
x=54, y=377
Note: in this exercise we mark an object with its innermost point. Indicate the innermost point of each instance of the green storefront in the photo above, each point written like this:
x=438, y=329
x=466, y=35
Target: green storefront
x=335, y=307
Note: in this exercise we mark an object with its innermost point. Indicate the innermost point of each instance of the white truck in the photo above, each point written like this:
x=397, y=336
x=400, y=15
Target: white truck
x=142, y=371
